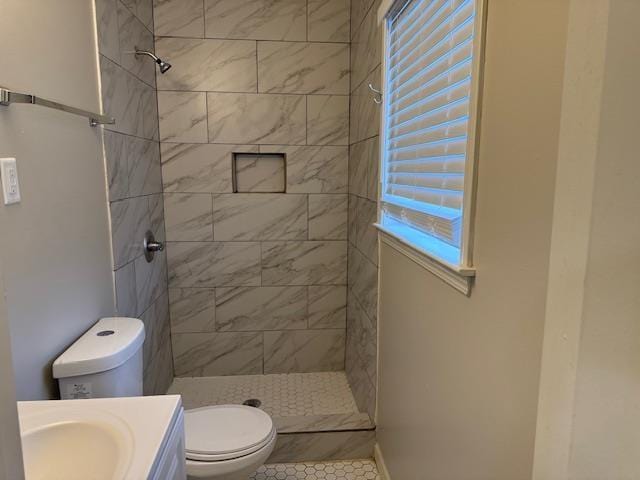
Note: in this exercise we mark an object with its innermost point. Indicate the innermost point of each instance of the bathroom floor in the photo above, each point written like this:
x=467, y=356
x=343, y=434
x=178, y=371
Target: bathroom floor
x=343, y=470
x=282, y=395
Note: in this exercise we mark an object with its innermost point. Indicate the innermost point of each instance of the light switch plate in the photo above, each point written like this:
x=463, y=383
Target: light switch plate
x=10, y=183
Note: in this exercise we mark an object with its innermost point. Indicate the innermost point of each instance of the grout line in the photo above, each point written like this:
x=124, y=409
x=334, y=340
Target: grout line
x=246, y=92
x=315, y=42
x=204, y=19
x=206, y=111
x=307, y=19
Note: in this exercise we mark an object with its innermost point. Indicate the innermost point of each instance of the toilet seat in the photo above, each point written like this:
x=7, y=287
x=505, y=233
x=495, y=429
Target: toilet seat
x=225, y=432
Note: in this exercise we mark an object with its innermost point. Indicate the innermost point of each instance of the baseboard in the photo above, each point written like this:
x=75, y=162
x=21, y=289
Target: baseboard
x=382, y=467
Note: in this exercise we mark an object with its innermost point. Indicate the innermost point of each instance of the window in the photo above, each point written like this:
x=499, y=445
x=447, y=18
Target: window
x=432, y=53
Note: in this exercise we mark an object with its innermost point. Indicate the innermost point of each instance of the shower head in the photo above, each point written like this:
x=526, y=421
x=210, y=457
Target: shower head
x=164, y=66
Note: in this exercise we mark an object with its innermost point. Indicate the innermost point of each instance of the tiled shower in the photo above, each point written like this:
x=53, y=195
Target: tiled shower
x=268, y=262
x=259, y=170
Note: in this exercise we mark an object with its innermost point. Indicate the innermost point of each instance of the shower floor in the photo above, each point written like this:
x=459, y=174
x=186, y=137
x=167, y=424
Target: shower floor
x=298, y=402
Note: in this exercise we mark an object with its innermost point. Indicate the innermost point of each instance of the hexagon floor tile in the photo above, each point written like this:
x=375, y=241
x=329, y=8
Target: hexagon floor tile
x=282, y=395
x=342, y=470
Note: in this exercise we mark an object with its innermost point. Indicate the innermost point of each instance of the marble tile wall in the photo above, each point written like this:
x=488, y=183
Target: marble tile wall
x=257, y=281
x=361, y=346
x=132, y=156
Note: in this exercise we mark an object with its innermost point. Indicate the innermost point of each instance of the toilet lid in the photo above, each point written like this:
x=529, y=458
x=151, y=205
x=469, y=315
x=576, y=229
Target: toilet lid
x=222, y=432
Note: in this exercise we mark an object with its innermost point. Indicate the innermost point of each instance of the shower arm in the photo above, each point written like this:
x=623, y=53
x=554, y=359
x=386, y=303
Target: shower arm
x=137, y=51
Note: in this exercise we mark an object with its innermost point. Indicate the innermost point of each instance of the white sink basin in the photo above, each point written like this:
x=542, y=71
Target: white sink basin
x=130, y=438
x=71, y=444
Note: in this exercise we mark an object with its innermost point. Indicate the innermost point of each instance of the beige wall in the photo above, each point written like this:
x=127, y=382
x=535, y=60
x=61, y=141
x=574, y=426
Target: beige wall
x=55, y=244
x=589, y=417
x=10, y=448
x=459, y=376
x=606, y=438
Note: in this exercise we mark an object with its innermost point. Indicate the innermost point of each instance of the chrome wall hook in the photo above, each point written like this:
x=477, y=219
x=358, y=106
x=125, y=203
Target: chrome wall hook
x=377, y=100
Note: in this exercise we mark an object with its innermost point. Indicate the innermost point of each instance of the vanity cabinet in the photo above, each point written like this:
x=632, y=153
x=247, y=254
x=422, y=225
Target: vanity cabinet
x=170, y=464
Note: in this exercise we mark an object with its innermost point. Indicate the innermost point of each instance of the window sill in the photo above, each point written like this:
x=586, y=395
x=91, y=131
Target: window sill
x=458, y=277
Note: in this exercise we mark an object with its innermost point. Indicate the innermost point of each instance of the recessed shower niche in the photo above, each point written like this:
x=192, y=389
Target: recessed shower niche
x=259, y=172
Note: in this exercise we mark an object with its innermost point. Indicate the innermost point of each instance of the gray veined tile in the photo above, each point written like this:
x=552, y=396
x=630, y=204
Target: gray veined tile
x=297, y=67
x=150, y=113
x=204, y=64
x=179, y=18
x=188, y=217
x=259, y=216
x=304, y=351
x=259, y=173
x=261, y=308
x=328, y=217
x=365, y=48
x=126, y=297
x=361, y=356
x=117, y=166
x=366, y=233
x=143, y=9
x=328, y=20
x=363, y=168
x=156, y=353
x=362, y=337
x=327, y=120
x=133, y=33
x=364, y=115
x=373, y=176
x=363, y=282
x=327, y=306
x=183, y=117
x=314, y=169
x=207, y=354
x=122, y=98
x=107, y=26
x=145, y=175
x=309, y=447
x=323, y=423
x=213, y=264
x=199, y=168
x=304, y=263
x=364, y=391
x=129, y=221
x=359, y=9
x=156, y=216
x=353, y=217
x=192, y=310
x=151, y=279
x=256, y=19
x=256, y=118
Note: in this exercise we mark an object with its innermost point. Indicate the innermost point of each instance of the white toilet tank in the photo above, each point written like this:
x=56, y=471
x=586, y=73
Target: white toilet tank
x=104, y=362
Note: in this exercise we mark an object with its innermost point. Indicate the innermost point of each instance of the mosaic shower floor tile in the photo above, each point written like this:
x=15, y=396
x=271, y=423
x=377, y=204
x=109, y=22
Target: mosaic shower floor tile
x=343, y=470
x=281, y=395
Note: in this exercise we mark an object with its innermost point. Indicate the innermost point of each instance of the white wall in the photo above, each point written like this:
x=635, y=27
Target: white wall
x=459, y=376
x=55, y=244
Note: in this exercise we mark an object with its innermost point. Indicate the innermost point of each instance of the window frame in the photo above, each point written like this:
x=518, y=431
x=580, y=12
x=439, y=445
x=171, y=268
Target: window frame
x=459, y=276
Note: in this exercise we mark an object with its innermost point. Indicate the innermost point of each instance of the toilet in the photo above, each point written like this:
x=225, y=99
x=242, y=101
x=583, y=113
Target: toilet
x=226, y=442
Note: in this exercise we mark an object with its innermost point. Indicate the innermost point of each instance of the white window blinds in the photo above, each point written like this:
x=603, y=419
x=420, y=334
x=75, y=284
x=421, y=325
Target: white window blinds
x=428, y=89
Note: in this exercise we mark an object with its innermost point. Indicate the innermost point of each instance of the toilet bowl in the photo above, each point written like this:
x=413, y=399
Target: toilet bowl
x=227, y=441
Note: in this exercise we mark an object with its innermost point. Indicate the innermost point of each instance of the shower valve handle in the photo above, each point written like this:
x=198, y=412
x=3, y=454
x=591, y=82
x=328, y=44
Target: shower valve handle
x=151, y=246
